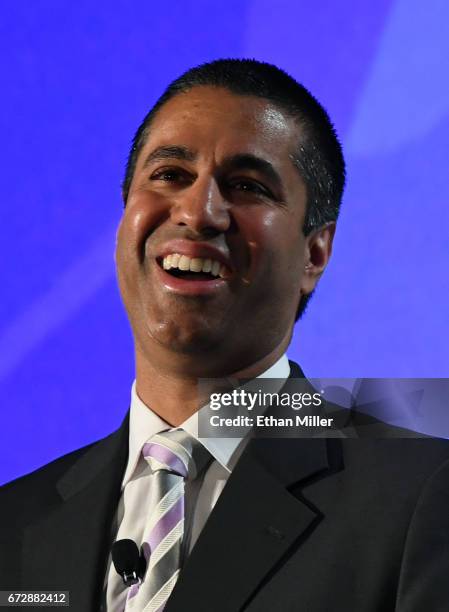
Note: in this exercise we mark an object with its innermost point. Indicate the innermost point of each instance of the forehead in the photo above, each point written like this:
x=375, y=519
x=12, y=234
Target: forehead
x=212, y=119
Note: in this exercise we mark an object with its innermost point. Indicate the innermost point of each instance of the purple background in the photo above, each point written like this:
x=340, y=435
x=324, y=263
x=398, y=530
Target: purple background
x=77, y=78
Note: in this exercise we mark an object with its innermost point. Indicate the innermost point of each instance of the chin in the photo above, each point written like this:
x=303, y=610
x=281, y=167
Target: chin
x=187, y=335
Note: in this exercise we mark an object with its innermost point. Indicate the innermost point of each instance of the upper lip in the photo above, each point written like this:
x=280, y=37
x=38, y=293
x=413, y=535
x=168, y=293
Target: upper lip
x=194, y=249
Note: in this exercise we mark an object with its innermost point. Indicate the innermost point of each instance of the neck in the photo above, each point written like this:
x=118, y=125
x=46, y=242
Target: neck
x=174, y=393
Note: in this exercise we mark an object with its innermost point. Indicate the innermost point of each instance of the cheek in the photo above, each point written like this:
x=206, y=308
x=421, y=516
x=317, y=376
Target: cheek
x=126, y=251
x=143, y=214
x=124, y=259
x=274, y=240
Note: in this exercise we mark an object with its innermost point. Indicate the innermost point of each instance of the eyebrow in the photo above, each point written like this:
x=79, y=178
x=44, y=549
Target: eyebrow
x=170, y=152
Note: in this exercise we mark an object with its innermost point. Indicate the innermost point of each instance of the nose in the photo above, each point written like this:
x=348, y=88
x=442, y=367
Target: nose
x=202, y=208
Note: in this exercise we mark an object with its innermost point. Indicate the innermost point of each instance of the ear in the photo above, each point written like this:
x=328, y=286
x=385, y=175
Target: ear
x=318, y=250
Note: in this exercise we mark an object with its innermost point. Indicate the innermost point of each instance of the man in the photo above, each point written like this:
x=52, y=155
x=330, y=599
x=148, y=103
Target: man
x=231, y=194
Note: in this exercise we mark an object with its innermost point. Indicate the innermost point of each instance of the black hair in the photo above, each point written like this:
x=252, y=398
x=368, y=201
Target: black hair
x=319, y=157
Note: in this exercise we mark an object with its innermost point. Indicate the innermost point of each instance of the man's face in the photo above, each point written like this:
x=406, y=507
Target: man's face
x=214, y=181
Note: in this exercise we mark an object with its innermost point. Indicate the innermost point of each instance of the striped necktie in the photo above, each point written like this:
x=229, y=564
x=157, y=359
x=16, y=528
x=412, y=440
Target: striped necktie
x=173, y=457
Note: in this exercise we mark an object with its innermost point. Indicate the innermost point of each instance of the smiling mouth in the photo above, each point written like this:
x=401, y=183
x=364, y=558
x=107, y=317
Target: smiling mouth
x=196, y=268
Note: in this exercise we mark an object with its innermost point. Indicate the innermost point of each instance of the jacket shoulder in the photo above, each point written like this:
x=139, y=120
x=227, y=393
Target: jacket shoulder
x=23, y=496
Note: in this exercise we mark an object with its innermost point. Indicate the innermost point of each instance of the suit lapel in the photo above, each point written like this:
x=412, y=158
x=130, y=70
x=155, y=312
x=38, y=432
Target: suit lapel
x=68, y=548
x=251, y=529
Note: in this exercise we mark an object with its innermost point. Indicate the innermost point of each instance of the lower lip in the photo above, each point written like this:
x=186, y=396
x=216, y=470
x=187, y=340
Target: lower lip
x=189, y=287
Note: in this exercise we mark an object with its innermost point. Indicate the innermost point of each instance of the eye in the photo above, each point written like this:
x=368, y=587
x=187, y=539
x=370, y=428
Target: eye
x=169, y=175
x=251, y=186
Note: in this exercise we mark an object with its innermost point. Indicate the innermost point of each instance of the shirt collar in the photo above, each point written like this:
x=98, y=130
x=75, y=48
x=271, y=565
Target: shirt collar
x=144, y=424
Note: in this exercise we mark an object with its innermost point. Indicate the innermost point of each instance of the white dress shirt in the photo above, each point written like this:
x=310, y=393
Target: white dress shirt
x=201, y=495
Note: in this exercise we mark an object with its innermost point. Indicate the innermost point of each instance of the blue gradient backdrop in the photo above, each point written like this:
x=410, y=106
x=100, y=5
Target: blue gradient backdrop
x=77, y=78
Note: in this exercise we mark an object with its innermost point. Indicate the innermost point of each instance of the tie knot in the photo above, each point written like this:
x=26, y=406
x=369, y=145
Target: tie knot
x=177, y=452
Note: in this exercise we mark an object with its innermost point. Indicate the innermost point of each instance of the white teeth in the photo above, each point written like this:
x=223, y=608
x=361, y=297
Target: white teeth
x=215, y=268
x=184, y=263
x=166, y=264
x=194, y=264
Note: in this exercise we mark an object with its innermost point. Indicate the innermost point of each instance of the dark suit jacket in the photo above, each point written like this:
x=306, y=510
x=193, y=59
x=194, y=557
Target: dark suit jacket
x=353, y=524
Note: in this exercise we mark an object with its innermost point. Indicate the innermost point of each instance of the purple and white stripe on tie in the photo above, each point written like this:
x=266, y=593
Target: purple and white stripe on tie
x=155, y=452
x=172, y=456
